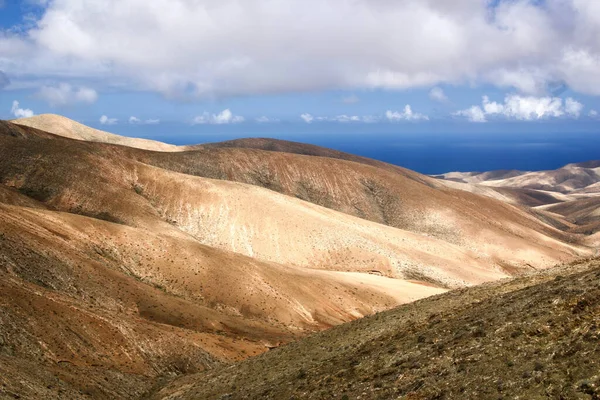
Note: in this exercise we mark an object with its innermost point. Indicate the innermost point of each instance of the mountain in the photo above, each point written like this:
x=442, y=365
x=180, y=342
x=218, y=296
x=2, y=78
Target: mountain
x=532, y=337
x=122, y=267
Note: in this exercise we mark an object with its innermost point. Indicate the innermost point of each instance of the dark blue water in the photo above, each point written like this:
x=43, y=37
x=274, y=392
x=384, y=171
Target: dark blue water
x=542, y=147
x=443, y=154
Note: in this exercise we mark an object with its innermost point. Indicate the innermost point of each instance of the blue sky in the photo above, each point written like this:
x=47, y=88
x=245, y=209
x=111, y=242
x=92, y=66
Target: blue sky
x=199, y=68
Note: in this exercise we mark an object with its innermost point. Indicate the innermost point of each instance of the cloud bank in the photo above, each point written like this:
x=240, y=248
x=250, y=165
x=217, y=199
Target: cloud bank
x=523, y=108
x=259, y=47
x=390, y=116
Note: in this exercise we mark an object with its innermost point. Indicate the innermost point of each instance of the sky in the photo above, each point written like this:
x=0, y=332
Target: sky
x=190, y=70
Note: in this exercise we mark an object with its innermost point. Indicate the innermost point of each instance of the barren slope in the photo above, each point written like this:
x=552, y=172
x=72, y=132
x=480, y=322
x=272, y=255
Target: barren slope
x=580, y=178
x=80, y=294
x=169, y=270
x=533, y=337
x=68, y=128
x=584, y=213
x=111, y=287
x=463, y=245
x=399, y=199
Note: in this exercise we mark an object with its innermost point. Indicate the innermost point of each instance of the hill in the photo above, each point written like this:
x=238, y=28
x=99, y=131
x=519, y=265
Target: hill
x=572, y=179
x=68, y=128
x=121, y=267
x=568, y=196
x=532, y=337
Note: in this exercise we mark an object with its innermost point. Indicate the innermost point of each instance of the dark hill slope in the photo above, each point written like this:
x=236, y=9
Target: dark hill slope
x=533, y=337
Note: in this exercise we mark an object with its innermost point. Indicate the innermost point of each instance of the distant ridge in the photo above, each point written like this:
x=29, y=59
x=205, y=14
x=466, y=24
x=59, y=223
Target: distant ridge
x=68, y=128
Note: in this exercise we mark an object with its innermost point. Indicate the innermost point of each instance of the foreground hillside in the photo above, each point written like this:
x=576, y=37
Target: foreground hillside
x=528, y=338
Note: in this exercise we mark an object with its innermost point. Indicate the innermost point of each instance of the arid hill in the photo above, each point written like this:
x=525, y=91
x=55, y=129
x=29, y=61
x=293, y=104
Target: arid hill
x=532, y=337
x=572, y=179
x=567, y=198
x=122, y=267
x=68, y=128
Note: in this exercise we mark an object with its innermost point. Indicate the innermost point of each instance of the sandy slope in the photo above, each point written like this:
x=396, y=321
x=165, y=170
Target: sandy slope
x=68, y=128
x=79, y=295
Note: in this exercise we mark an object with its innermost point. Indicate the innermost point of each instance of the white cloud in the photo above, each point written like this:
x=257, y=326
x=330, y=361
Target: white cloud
x=136, y=121
x=573, y=107
x=350, y=44
x=343, y=118
x=307, y=118
x=352, y=99
x=65, y=94
x=437, y=94
x=524, y=108
x=20, y=112
x=473, y=114
x=104, y=120
x=406, y=115
x=347, y=118
x=593, y=113
x=224, y=117
x=266, y=120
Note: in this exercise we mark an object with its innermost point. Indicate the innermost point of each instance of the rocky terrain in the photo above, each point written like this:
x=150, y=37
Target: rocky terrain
x=126, y=263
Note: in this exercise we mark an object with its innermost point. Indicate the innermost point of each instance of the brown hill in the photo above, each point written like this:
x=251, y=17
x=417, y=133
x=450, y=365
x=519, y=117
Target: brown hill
x=570, y=179
x=132, y=265
x=566, y=198
x=533, y=337
x=584, y=213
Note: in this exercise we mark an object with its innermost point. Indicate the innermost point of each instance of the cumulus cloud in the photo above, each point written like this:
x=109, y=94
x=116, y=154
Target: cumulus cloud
x=573, y=107
x=224, y=117
x=104, y=120
x=4, y=81
x=65, y=94
x=473, y=114
x=350, y=44
x=352, y=99
x=20, y=112
x=437, y=94
x=406, y=115
x=136, y=121
x=307, y=118
x=524, y=108
x=593, y=114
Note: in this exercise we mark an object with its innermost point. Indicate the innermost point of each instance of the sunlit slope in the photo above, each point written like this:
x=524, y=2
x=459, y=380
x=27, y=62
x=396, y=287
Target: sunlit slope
x=102, y=182
x=68, y=128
